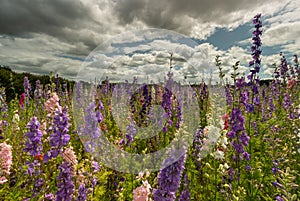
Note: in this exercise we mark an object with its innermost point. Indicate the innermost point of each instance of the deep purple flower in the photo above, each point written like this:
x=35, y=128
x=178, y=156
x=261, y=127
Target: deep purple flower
x=246, y=155
x=65, y=186
x=238, y=147
x=34, y=142
x=287, y=101
x=169, y=180
x=94, y=182
x=130, y=132
x=283, y=66
x=49, y=196
x=279, y=198
x=82, y=193
x=59, y=136
x=244, y=138
x=185, y=194
x=255, y=48
x=237, y=121
x=27, y=88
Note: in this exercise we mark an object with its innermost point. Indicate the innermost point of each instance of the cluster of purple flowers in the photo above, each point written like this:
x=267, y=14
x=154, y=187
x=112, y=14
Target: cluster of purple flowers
x=91, y=130
x=34, y=144
x=169, y=180
x=59, y=136
x=256, y=47
x=82, y=192
x=238, y=133
x=185, y=194
x=65, y=186
x=27, y=89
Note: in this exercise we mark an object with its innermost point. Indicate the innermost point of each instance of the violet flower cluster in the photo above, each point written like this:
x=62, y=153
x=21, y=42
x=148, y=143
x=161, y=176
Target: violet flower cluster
x=82, y=193
x=256, y=47
x=91, y=131
x=34, y=143
x=238, y=133
x=169, y=180
x=185, y=194
x=65, y=186
x=59, y=136
x=27, y=89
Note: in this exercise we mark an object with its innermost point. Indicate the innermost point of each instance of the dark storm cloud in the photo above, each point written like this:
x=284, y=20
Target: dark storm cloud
x=58, y=18
x=170, y=13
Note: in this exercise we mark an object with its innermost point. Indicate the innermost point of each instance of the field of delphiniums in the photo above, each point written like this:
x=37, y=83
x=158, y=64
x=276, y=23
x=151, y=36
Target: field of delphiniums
x=247, y=149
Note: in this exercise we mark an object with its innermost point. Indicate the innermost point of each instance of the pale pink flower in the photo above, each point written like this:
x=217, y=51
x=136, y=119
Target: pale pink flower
x=5, y=160
x=142, y=193
x=52, y=104
x=70, y=157
x=3, y=180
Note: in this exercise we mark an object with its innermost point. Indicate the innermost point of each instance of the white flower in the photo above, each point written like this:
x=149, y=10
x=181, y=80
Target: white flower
x=213, y=133
x=218, y=154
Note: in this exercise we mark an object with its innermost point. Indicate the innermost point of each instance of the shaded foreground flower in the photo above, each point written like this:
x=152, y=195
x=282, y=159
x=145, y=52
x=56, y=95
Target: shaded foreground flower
x=5, y=161
x=169, y=180
x=65, y=186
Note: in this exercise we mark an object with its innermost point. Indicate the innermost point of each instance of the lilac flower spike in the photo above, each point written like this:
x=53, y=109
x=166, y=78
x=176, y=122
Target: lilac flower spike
x=65, y=186
x=34, y=143
x=169, y=180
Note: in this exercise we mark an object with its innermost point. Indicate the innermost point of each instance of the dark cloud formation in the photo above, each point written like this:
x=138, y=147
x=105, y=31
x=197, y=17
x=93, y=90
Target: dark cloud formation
x=57, y=18
x=171, y=14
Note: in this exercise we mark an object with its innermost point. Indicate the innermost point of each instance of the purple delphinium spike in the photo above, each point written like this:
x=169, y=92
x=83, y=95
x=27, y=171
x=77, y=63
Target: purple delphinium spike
x=283, y=66
x=82, y=193
x=34, y=143
x=65, y=183
x=27, y=89
x=59, y=136
x=169, y=180
x=185, y=194
x=238, y=133
x=91, y=130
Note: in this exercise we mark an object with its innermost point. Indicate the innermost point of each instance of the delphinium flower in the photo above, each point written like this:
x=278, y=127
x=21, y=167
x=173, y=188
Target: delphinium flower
x=5, y=161
x=65, y=183
x=130, y=133
x=82, y=192
x=48, y=196
x=197, y=144
x=91, y=131
x=59, y=136
x=27, y=89
x=37, y=93
x=34, y=142
x=238, y=134
x=169, y=180
x=70, y=156
x=185, y=194
x=22, y=100
x=283, y=67
x=166, y=104
x=52, y=104
x=256, y=47
x=57, y=84
x=142, y=192
x=279, y=198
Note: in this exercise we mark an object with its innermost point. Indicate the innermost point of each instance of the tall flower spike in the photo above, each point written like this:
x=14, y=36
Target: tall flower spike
x=169, y=180
x=5, y=161
x=256, y=47
x=34, y=143
x=65, y=186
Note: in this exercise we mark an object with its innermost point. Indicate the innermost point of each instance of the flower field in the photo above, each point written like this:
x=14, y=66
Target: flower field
x=53, y=139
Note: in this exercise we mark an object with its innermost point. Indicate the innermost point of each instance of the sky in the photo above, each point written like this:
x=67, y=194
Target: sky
x=61, y=36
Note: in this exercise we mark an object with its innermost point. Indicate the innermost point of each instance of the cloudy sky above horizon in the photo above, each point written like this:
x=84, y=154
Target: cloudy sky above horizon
x=40, y=36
